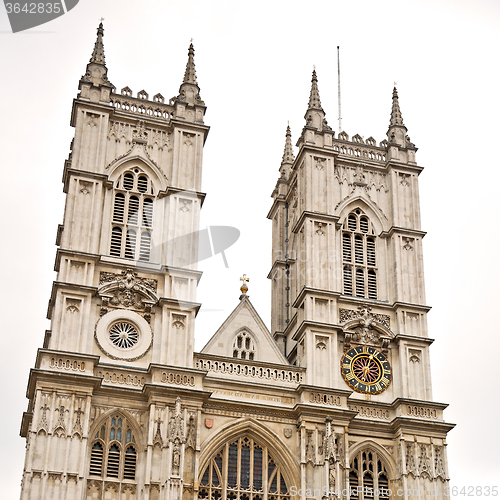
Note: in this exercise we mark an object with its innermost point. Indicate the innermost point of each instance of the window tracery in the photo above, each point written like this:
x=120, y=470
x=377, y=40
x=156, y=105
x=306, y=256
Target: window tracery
x=244, y=346
x=132, y=219
x=359, y=256
x=113, y=452
x=243, y=470
x=368, y=477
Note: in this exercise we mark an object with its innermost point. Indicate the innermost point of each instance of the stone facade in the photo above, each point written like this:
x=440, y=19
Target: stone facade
x=120, y=405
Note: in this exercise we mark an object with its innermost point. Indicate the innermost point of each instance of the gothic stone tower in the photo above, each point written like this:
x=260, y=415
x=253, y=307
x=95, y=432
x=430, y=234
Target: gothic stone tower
x=123, y=304
x=348, y=304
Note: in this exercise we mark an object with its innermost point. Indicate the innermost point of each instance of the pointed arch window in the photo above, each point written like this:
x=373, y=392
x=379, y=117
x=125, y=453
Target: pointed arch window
x=359, y=270
x=368, y=477
x=244, y=346
x=243, y=470
x=113, y=451
x=132, y=221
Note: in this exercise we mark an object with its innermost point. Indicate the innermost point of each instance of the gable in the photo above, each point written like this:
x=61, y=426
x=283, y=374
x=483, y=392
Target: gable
x=244, y=335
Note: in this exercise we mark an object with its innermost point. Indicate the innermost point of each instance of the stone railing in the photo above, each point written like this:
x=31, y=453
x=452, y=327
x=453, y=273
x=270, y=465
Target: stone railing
x=249, y=370
x=142, y=107
x=360, y=151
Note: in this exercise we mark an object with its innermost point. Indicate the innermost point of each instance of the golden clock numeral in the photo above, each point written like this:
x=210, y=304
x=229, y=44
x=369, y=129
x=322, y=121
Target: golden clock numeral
x=349, y=376
x=347, y=357
x=346, y=365
x=385, y=381
x=378, y=387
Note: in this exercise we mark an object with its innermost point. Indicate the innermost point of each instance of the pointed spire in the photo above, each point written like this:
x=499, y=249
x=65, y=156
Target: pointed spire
x=190, y=73
x=314, y=101
x=288, y=156
x=98, y=53
x=97, y=73
x=189, y=90
x=396, y=117
x=315, y=116
x=397, y=130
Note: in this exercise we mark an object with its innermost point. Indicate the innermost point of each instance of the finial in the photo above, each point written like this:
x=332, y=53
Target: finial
x=314, y=101
x=244, y=288
x=190, y=73
x=396, y=117
x=98, y=52
x=96, y=72
x=288, y=156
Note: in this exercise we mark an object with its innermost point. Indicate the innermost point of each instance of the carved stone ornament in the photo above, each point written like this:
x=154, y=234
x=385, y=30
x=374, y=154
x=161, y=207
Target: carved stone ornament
x=439, y=462
x=359, y=176
x=127, y=290
x=408, y=244
x=330, y=445
x=178, y=321
x=176, y=424
x=319, y=228
x=139, y=134
x=118, y=131
x=424, y=462
x=405, y=179
x=411, y=467
x=320, y=163
x=361, y=327
x=60, y=427
x=287, y=433
x=86, y=187
x=77, y=427
x=43, y=425
x=191, y=431
x=365, y=313
x=158, y=441
x=176, y=436
x=309, y=446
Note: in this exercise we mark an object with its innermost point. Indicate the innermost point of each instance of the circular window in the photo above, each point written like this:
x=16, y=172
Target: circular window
x=123, y=334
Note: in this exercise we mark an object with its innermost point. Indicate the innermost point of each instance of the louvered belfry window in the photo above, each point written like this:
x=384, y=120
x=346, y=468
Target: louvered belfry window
x=368, y=477
x=113, y=451
x=243, y=470
x=359, y=268
x=132, y=221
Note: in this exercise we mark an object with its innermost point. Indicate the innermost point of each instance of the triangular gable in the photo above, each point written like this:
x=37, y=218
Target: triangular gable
x=245, y=319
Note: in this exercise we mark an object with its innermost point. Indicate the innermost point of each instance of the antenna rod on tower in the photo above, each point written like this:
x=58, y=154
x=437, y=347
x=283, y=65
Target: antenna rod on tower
x=338, y=68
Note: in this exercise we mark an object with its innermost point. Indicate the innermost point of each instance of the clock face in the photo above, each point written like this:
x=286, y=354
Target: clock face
x=366, y=370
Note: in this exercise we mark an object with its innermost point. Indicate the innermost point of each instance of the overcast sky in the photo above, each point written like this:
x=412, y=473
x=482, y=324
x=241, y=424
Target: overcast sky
x=254, y=63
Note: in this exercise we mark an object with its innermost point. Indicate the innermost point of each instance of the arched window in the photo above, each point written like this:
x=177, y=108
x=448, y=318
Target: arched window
x=240, y=471
x=132, y=220
x=368, y=477
x=113, y=451
x=359, y=256
x=244, y=346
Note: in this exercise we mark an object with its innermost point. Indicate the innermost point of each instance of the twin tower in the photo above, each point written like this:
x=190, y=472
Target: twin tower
x=334, y=402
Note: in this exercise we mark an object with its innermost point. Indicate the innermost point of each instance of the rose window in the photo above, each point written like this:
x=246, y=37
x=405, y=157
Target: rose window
x=123, y=334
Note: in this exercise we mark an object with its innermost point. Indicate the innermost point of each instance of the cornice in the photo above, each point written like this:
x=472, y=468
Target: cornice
x=402, y=166
x=174, y=190
x=402, y=230
x=279, y=263
x=85, y=383
x=317, y=292
x=316, y=216
x=56, y=285
x=68, y=172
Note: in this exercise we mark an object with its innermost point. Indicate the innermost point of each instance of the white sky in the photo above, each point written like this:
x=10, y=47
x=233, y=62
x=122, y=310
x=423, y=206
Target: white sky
x=254, y=63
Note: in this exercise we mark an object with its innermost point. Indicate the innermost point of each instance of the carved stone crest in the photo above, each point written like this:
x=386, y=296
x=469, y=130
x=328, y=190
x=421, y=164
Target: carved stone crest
x=287, y=433
x=127, y=290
